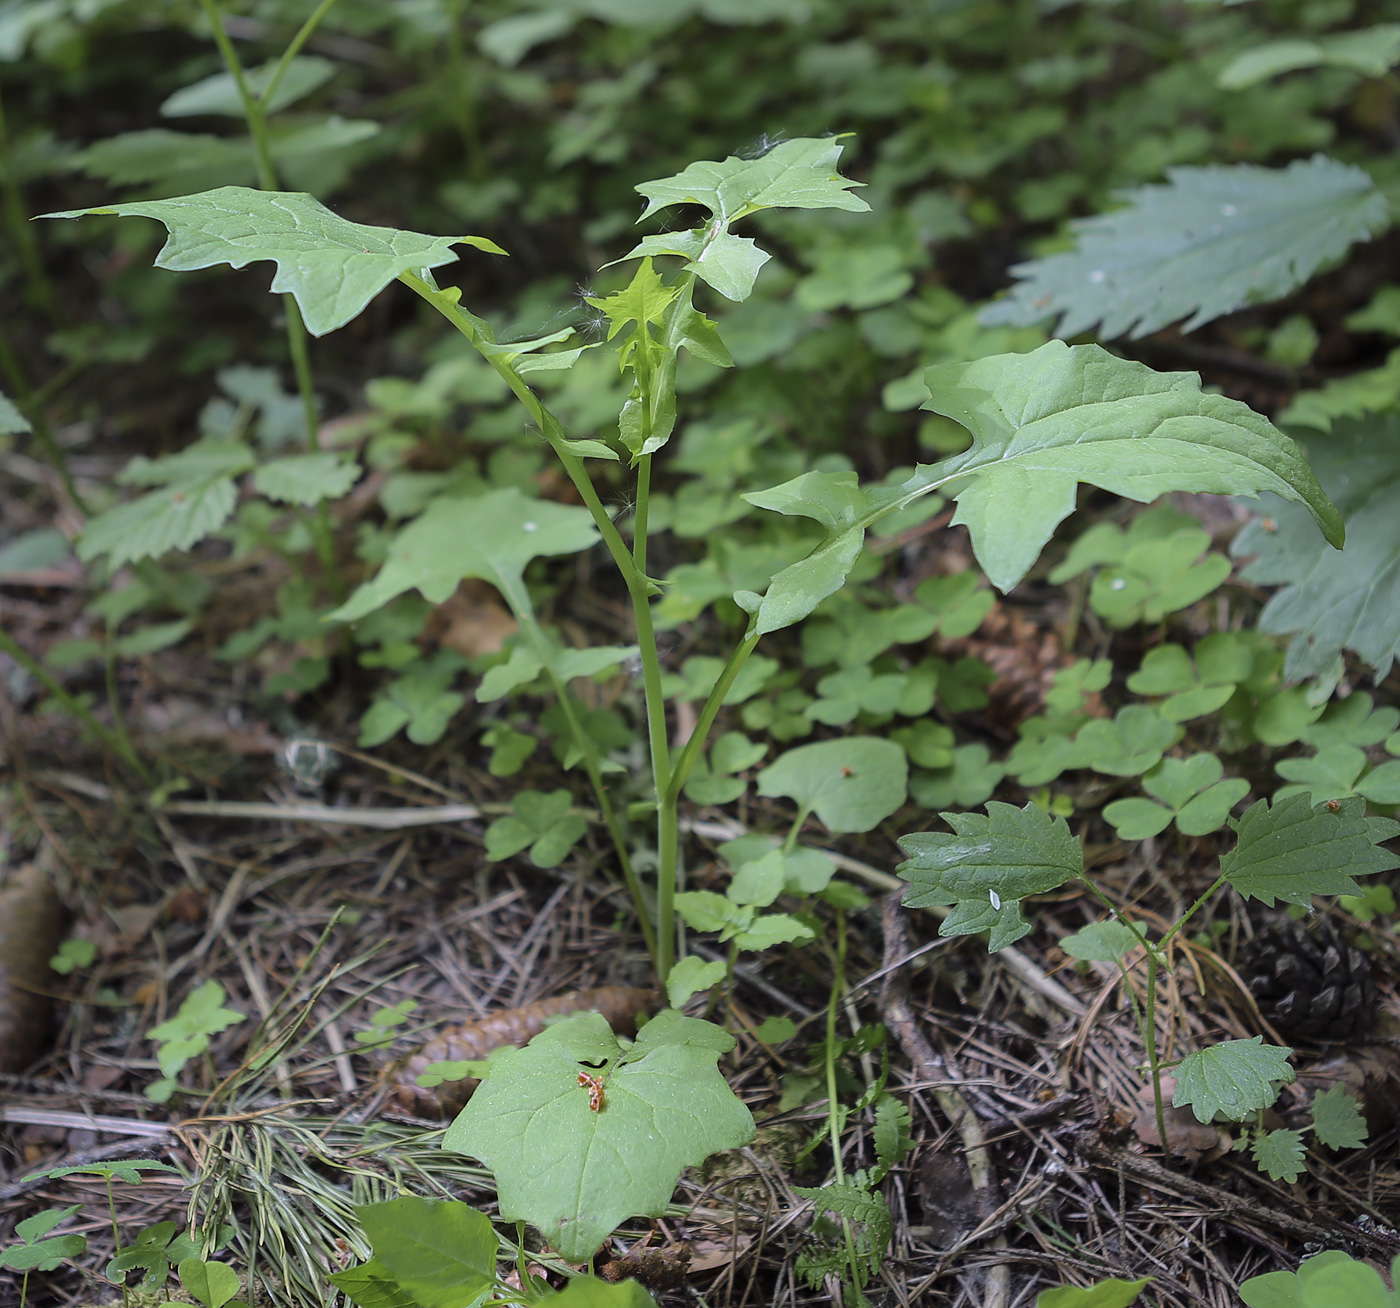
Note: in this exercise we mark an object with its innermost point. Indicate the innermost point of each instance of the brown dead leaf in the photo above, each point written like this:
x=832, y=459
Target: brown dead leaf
x=473, y=620
x=946, y=1194
x=188, y=905
x=1371, y=1073
x=711, y=1255
x=663, y=1268
x=31, y=929
x=1187, y=1138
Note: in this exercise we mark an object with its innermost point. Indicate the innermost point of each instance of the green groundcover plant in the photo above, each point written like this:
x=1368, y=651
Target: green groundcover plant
x=580, y=1130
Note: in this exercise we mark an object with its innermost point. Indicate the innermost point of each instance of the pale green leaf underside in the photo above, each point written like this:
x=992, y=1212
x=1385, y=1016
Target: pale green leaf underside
x=1209, y=242
x=332, y=267
x=1332, y=602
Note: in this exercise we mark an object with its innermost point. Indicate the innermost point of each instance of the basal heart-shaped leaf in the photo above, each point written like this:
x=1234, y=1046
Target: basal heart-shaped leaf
x=576, y=1163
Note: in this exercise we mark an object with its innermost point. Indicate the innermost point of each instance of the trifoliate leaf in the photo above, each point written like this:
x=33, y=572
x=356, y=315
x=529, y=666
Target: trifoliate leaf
x=1279, y=1154
x=1209, y=242
x=1101, y=942
x=490, y=536
x=575, y=1173
x=769, y=929
x=851, y=784
x=1189, y=789
x=1286, y=1289
x=306, y=479
x=987, y=866
x=1292, y=850
x=1128, y=744
x=542, y=823
x=333, y=267
x=1111, y=1293
x=1336, y=1119
x=1232, y=1079
x=1332, y=601
x=1045, y=421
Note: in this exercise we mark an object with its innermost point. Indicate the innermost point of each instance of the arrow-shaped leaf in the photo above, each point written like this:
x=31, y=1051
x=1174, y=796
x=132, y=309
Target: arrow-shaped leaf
x=332, y=266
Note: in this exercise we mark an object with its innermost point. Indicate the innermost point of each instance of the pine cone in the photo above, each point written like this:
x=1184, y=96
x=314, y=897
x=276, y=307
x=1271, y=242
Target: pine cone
x=1308, y=982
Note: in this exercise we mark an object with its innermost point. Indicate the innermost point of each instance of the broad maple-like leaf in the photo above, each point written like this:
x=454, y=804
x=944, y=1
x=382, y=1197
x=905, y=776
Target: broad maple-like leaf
x=332, y=267
x=987, y=866
x=575, y=1172
x=1211, y=241
x=1293, y=850
x=1045, y=421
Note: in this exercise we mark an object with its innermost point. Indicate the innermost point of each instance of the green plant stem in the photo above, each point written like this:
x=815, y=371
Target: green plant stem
x=114, y=741
x=531, y=627
x=293, y=49
x=1191, y=912
x=833, y=1123
x=445, y=302
x=685, y=760
x=1147, y=1016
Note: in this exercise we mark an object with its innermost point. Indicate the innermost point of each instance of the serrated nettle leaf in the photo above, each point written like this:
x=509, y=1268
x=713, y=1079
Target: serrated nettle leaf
x=1045, y=421
x=575, y=1172
x=851, y=784
x=306, y=479
x=490, y=536
x=1293, y=850
x=1279, y=1154
x=987, y=866
x=1231, y=1080
x=1209, y=242
x=1101, y=942
x=174, y=517
x=1336, y=1119
x=332, y=267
